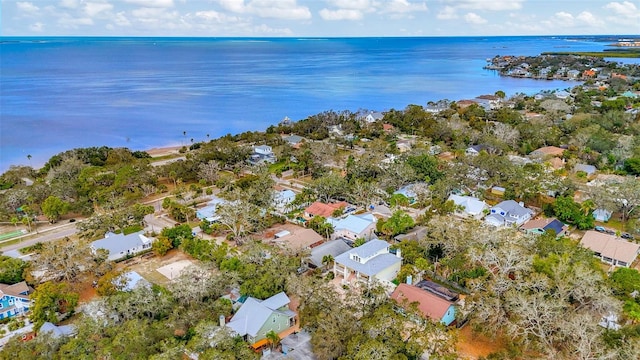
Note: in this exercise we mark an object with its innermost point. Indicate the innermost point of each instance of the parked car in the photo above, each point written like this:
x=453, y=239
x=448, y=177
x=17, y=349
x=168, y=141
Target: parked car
x=626, y=236
x=600, y=229
x=610, y=232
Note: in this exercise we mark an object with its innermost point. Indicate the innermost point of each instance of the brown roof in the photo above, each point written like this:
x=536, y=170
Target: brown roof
x=556, y=163
x=548, y=150
x=429, y=305
x=16, y=290
x=536, y=223
x=610, y=246
x=300, y=239
x=324, y=210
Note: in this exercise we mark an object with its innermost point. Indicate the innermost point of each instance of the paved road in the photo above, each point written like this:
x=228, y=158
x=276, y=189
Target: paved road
x=48, y=235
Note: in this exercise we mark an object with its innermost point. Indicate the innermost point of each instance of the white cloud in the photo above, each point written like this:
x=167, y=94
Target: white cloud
x=36, y=27
x=215, y=16
x=74, y=23
x=341, y=14
x=448, y=13
x=151, y=3
x=563, y=16
x=92, y=9
x=475, y=19
x=363, y=5
x=27, y=7
x=625, y=9
x=69, y=4
x=266, y=30
x=589, y=19
x=276, y=9
x=404, y=6
x=121, y=19
x=489, y=5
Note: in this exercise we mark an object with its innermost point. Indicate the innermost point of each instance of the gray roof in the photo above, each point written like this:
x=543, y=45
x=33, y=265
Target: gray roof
x=511, y=207
x=471, y=205
x=355, y=223
x=293, y=139
x=589, y=169
x=373, y=264
x=333, y=248
x=131, y=280
x=254, y=313
x=117, y=243
x=57, y=331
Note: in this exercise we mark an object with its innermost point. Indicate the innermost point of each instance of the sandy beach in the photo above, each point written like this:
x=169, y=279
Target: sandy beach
x=163, y=151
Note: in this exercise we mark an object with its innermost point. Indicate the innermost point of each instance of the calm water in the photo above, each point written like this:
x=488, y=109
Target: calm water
x=61, y=93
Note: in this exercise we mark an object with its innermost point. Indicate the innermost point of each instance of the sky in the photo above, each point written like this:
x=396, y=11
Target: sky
x=318, y=18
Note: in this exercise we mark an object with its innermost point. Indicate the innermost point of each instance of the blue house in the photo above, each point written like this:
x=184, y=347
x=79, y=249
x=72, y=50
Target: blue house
x=14, y=299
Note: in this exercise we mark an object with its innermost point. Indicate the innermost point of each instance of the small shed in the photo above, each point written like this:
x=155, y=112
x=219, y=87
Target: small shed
x=282, y=233
x=497, y=190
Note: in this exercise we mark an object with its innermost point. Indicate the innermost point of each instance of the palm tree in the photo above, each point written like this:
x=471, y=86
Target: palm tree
x=327, y=259
x=273, y=339
x=587, y=206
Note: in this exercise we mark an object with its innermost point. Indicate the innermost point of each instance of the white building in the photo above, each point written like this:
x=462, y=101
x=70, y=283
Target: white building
x=368, y=263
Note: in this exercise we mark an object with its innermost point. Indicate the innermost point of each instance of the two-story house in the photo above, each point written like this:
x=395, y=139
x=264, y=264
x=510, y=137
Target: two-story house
x=508, y=213
x=256, y=318
x=369, y=262
x=262, y=154
x=14, y=299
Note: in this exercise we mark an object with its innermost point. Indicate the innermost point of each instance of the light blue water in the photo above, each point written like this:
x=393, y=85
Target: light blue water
x=62, y=93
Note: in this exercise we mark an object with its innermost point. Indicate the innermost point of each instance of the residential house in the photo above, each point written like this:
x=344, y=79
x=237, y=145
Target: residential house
x=601, y=215
x=298, y=238
x=262, y=154
x=417, y=233
x=256, y=318
x=373, y=117
x=610, y=248
x=388, y=128
x=283, y=199
x=294, y=140
x=324, y=210
x=466, y=103
x=354, y=227
x=409, y=191
x=368, y=263
x=333, y=248
x=469, y=206
x=14, y=299
x=547, y=151
x=130, y=281
x=540, y=226
x=489, y=102
x=508, y=213
x=208, y=212
x=428, y=304
x=587, y=169
x=436, y=108
x=57, y=331
x=120, y=246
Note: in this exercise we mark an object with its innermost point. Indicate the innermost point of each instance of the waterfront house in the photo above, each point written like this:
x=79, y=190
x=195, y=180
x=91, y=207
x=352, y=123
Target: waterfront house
x=540, y=226
x=610, y=249
x=354, y=227
x=262, y=154
x=256, y=318
x=508, y=213
x=601, y=215
x=468, y=206
x=427, y=303
x=14, y=299
x=368, y=263
x=120, y=246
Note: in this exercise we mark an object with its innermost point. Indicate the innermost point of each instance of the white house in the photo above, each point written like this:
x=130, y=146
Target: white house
x=470, y=206
x=373, y=117
x=262, y=154
x=282, y=199
x=209, y=211
x=508, y=213
x=120, y=246
x=369, y=262
x=353, y=227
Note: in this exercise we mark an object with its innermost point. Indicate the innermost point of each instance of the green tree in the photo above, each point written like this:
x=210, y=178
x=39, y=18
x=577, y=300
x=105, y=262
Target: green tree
x=625, y=281
x=273, y=339
x=320, y=225
x=161, y=245
x=398, y=223
x=53, y=207
x=51, y=299
x=11, y=270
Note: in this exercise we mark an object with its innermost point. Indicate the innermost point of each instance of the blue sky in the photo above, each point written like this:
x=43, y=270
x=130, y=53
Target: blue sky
x=319, y=18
